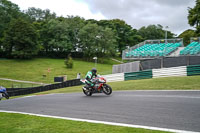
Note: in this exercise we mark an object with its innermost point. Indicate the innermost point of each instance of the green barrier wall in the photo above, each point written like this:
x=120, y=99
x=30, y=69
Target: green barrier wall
x=138, y=75
x=193, y=70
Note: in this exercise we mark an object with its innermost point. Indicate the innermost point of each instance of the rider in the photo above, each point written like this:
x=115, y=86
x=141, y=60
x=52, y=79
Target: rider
x=89, y=76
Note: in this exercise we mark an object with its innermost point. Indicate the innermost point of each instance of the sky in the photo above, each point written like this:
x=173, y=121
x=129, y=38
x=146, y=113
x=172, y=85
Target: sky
x=137, y=13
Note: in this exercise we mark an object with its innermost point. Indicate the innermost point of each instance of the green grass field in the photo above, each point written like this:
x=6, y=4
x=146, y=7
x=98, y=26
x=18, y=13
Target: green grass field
x=33, y=70
x=18, y=123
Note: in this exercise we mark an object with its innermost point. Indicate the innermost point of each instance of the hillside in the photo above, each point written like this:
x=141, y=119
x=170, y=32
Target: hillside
x=44, y=70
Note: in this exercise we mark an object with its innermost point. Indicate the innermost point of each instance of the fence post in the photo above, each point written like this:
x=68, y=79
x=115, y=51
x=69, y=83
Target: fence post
x=162, y=62
x=188, y=60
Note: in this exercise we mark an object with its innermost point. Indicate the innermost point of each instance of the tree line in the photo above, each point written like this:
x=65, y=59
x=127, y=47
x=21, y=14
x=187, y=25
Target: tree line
x=24, y=34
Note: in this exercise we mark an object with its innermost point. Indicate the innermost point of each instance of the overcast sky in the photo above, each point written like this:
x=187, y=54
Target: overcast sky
x=137, y=13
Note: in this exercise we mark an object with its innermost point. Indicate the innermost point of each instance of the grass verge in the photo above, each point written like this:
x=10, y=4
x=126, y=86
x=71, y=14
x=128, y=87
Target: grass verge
x=34, y=124
x=170, y=83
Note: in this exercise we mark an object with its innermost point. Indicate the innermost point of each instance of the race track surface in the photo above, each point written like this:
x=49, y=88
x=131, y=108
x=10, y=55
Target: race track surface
x=165, y=109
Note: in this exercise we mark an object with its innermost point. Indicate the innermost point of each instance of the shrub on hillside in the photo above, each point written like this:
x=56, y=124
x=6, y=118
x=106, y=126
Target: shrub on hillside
x=69, y=62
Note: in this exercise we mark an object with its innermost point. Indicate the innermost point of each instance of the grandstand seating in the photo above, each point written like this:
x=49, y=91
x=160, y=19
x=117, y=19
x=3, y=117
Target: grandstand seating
x=153, y=50
x=192, y=49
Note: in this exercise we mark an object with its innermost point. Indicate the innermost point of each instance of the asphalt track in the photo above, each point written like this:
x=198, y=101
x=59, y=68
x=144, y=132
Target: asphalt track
x=164, y=109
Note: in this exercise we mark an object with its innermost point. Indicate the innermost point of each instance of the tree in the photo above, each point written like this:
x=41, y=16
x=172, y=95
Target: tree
x=134, y=38
x=55, y=36
x=75, y=23
x=20, y=40
x=154, y=32
x=96, y=40
x=186, y=35
x=123, y=33
x=8, y=11
x=37, y=14
x=106, y=43
x=194, y=16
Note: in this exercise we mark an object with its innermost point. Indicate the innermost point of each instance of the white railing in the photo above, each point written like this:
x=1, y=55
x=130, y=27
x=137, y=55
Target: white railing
x=170, y=72
x=114, y=77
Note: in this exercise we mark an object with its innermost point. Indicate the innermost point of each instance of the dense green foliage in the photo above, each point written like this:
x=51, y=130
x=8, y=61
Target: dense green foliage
x=154, y=32
x=194, y=16
x=8, y=11
x=186, y=35
x=20, y=39
x=96, y=40
x=194, y=21
x=52, y=34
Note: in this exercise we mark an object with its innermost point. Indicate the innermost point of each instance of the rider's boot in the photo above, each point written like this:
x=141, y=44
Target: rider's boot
x=84, y=88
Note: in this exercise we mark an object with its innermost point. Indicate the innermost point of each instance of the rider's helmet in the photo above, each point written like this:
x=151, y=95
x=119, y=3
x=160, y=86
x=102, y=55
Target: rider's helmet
x=94, y=70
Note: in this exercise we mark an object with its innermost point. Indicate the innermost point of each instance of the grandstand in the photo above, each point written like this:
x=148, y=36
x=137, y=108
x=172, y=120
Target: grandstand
x=156, y=54
x=193, y=48
x=150, y=49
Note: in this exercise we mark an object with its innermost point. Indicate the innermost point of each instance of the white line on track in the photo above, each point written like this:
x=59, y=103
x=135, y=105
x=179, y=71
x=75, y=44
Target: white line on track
x=161, y=90
x=103, y=122
x=36, y=95
x=162, y=96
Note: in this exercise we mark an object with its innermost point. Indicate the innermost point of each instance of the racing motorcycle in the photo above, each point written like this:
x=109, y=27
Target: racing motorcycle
x=99, y=87
x=3, y=93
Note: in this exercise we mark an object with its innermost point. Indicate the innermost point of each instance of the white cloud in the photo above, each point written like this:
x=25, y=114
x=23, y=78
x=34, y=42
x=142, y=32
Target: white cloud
x=136, y=13
x=61, y=7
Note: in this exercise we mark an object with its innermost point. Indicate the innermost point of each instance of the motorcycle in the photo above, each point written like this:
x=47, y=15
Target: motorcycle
x=3, y=93
x=99, y=87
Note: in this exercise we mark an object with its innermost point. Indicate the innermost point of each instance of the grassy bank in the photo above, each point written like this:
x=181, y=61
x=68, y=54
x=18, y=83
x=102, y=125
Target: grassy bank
x=18, y=123
x=37, y=69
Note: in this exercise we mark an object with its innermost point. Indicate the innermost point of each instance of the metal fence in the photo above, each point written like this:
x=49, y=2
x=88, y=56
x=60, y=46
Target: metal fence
x=195, y=39
x=166, y=62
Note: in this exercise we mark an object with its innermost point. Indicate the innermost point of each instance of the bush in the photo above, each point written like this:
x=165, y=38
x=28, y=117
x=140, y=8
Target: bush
x=69, y=62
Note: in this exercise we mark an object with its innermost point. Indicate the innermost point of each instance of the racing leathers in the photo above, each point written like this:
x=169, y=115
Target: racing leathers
x=88, y=79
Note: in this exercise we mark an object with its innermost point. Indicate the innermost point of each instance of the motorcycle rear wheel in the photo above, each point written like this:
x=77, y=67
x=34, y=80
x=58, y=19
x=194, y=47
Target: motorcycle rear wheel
x=87, y=93
x=107, y=89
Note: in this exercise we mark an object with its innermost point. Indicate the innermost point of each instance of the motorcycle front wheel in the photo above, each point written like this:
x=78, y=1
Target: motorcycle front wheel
x=107, y=89
x=5, y=94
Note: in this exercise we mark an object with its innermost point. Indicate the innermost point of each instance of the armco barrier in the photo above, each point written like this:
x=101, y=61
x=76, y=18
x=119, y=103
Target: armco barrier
x=193, y=70
x=24, y=91
x=170, y=72
x=114, y=77
x=138, y=75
